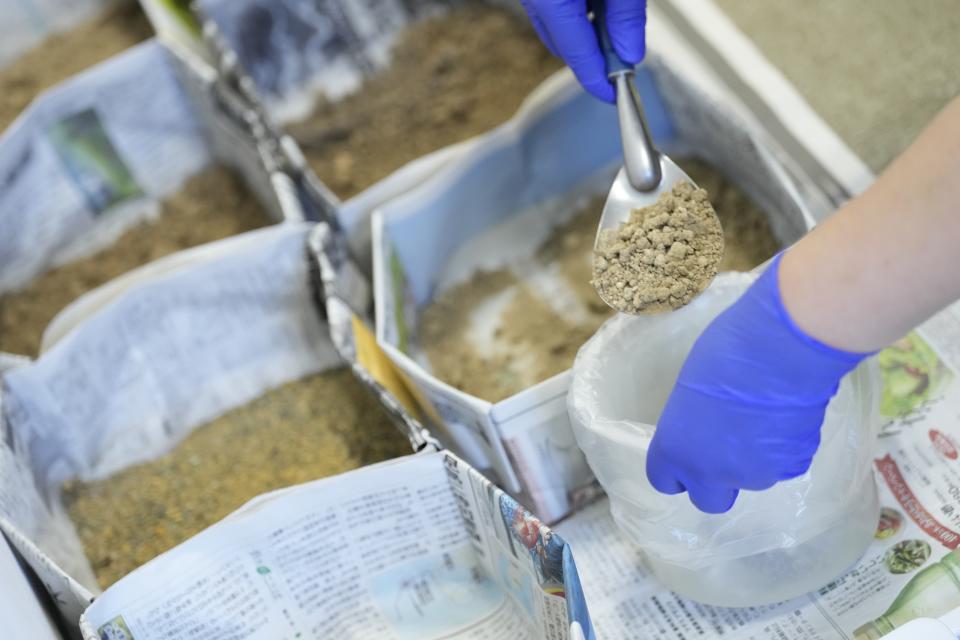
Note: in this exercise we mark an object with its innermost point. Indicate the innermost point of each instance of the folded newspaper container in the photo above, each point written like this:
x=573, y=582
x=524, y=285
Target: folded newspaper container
x=93, y=156
x=23, y=608
x=284, y=56
x=772, y=545
x=294, y=53
x=137, y=365
x=502, y=199
x=418, y=547
x=422, y=546
x=346, y=303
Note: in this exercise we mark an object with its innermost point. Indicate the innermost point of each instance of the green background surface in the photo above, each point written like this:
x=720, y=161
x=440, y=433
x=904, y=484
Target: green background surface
x=876, y=70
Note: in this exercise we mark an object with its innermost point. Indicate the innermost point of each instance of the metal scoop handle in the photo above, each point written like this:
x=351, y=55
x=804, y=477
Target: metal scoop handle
x=640, y=158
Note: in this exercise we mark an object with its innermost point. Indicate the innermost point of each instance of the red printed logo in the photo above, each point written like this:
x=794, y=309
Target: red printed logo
x=943, y=444
x=890, y=472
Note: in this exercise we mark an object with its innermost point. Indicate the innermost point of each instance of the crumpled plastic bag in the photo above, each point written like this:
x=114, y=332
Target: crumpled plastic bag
x=773, y=544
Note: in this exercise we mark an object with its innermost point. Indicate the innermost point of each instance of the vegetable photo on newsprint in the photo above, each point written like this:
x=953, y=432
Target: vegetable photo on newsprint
x=479, y=319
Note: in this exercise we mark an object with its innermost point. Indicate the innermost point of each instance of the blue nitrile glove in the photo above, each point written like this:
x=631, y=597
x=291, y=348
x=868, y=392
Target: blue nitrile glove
x=565, y=30
x=748, y=404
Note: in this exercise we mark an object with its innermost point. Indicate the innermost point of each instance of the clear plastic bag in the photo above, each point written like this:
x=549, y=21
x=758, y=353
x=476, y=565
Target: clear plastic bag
x=772, y=545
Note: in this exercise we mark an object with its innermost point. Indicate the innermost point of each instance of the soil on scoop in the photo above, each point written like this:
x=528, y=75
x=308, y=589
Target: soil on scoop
x=212, y=205
x=312, y=428
x=536, y=333
x=65, y=54
x=450, y=78
x=663, y=256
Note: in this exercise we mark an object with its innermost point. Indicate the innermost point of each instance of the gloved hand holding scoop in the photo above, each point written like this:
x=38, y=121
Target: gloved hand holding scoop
x=747, y=407
x=660, y=243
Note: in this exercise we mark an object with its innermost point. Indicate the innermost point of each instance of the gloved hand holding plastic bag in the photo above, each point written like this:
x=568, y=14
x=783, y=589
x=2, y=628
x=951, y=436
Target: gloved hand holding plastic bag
x=773, y=544
x=748, y=404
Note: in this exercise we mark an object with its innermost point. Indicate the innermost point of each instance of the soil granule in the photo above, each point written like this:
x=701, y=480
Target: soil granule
x=213, y=204
x=450, y=78
x=536, y=336
x=662, y=256
x=312, y=428
x=65, y=54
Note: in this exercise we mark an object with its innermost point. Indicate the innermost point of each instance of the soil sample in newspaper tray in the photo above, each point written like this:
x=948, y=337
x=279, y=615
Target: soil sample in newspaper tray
x=318, y=426
x=212, y=205
x=450, y=77
x=502, y=331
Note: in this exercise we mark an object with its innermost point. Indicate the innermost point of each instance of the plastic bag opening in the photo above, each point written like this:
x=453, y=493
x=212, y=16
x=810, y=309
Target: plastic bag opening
x=770, y=541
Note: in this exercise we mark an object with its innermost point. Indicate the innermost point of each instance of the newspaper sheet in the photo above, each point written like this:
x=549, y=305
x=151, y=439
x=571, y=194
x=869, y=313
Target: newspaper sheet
x=31, y=521
x=22, y=614
x=335, y=284
x=420, y=547
x=90, y=158
x=918, y=474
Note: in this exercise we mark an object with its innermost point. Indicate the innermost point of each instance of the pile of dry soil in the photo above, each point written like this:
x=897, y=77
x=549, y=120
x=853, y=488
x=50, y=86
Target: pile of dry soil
x=212, y=205
x=318, y=426
x=450, y=78
x=536, y=334
x=65, y=54
x=531, y=341
x=662, y=256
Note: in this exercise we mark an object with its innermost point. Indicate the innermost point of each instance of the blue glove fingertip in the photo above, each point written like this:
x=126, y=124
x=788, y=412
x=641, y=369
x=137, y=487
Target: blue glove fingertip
x=711, y=500
x=601, y=90
x=661, y=477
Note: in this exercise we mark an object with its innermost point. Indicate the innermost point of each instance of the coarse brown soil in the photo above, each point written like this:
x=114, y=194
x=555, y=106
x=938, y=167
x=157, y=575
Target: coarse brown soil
x=312, y=428
x=662, y=256
x=450, y=78
x=535, y=338
x=212, y=205
x=65, y=54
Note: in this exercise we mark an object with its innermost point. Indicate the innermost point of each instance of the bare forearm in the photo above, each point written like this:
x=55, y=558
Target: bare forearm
x=889, y=258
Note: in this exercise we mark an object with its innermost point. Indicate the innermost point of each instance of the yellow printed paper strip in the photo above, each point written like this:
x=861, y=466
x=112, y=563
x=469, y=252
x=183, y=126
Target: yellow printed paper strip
x=372, y=358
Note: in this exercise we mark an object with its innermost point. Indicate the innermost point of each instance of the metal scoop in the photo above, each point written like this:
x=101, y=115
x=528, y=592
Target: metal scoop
x=646, y=172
